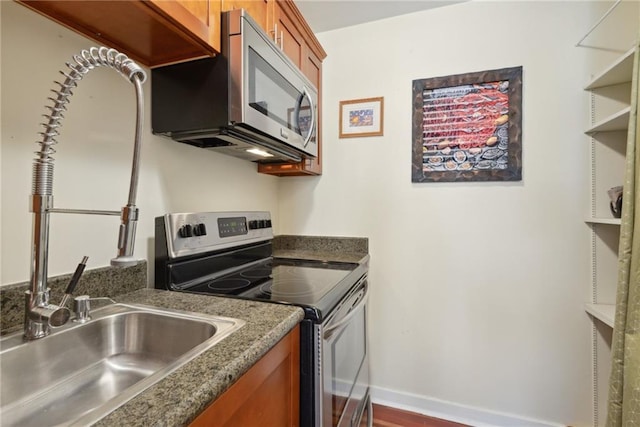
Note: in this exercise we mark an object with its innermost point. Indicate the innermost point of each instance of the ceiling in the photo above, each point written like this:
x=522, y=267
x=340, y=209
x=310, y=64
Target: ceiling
x=325, y=15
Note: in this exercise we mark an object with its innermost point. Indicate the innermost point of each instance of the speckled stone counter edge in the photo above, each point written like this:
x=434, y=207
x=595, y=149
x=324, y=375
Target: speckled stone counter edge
x=100, y=282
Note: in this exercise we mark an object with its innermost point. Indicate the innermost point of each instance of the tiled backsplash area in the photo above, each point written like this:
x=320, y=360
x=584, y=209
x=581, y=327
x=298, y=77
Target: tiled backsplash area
x=101, y=282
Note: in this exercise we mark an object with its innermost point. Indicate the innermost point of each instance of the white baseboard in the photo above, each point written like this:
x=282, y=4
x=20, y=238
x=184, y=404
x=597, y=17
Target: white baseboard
x=450, y=411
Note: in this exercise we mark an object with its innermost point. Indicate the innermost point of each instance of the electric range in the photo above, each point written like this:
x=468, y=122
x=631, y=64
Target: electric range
x=230, y=254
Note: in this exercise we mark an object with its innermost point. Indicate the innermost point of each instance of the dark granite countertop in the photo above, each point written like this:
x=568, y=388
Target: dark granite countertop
x=180, y=397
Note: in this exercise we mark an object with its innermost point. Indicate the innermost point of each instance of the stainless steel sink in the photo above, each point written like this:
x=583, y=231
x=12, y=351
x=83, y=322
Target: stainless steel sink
x=82, y=372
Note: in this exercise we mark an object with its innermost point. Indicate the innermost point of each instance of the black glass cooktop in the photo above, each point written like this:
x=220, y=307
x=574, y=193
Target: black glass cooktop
x=314, y=285
x=300, y=284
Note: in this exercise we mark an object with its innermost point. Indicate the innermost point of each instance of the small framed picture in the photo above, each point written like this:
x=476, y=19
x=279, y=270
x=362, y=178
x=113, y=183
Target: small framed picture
x=361, y=117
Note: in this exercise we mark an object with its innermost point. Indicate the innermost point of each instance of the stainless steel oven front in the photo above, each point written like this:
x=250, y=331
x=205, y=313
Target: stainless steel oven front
x=343, y=366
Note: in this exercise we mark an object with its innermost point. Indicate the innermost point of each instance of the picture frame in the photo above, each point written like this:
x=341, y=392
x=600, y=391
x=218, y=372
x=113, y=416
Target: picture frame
x=362, y=117
x=468, y=127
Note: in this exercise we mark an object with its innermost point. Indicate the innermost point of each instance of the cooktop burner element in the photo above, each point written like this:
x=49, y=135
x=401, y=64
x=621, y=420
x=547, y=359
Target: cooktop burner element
x=228, y=285
x=298, y=284
x=258, y=273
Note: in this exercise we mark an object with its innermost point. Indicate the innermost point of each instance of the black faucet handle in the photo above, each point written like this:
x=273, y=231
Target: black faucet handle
x=74, y=281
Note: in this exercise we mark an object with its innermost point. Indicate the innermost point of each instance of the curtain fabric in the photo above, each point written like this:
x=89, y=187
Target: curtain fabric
x=624, y=383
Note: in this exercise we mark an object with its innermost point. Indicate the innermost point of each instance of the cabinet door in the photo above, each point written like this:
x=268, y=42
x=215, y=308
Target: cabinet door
x=268, y=395
x=152, y=32
x=260, y=10
x=288, y=37
x=198, y=17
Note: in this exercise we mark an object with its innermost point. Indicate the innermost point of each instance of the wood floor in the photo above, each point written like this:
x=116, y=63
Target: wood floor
x=384, y=416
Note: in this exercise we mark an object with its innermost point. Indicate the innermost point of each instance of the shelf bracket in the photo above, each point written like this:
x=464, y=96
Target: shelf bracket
x=598, y=23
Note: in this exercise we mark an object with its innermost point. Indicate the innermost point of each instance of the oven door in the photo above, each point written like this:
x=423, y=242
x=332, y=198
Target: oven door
x=345, y=367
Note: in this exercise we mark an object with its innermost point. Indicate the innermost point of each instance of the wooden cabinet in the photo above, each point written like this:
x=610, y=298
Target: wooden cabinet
x=153, y=32
x=260, y=10
x=288, y=37
x=267, y=395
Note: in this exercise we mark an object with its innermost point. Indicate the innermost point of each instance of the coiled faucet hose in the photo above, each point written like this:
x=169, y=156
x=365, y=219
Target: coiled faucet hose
x=86, y=61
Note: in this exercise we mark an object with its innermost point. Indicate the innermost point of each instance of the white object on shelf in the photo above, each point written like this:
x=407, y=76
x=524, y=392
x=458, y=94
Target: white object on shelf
x=603, y=312
x=618, y=72
x=617, y=121
x=610, y=221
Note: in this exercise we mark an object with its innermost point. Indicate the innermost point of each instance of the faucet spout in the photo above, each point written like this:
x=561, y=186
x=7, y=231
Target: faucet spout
x=40, y=314
x=126, y=237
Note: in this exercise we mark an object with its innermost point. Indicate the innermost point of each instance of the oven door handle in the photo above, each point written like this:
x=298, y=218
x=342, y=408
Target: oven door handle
x=329, y=330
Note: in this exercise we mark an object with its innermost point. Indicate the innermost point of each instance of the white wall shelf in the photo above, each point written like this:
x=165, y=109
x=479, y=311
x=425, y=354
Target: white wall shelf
x=610, y=113
x=610, y=221
x=603, y=312
x=615, y=122
x=618, y=72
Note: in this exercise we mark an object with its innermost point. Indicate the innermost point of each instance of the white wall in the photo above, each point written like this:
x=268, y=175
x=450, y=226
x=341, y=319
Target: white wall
x=94, y=155
x=477, y=288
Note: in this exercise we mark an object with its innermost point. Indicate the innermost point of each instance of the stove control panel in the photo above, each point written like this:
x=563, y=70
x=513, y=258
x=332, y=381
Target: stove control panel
x=232, y=226
x=192, y=233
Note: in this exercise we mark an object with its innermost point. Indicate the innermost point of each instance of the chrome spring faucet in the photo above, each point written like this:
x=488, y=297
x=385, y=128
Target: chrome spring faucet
x=40, y=315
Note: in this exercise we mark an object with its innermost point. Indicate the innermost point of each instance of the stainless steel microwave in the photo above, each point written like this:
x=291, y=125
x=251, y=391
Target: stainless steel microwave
x=250, y=101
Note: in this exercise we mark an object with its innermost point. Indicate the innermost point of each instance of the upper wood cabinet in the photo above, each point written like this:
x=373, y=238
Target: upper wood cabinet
x=287, y=13
x=260, y=10
x=284, y=23
x=288, y=37
x=152, y=32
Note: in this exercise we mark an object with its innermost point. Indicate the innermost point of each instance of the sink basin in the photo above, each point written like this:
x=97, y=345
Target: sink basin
x=81, y=372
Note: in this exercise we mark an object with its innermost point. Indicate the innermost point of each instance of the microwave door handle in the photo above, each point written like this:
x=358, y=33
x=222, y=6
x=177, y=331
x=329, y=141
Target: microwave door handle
x=305, y=92
x=328, y=331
